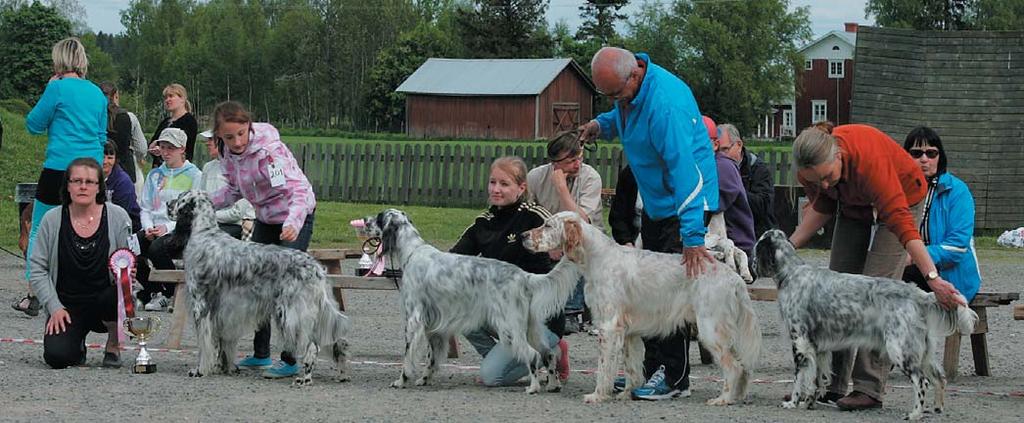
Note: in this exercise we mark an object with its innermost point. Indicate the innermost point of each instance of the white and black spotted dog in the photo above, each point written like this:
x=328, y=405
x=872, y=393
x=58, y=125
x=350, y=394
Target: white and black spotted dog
x=445, y=294
x=826, y=311
x=235, y=286
x=635, y=294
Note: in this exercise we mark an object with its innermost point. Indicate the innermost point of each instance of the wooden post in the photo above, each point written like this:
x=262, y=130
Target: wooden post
x=951, y=356
x=178, y=318
x=979, y=345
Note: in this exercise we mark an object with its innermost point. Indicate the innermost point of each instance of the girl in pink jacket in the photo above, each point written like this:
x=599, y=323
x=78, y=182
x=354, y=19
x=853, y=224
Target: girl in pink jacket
x=261, y=169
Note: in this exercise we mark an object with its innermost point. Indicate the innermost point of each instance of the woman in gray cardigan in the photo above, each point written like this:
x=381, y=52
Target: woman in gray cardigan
x=69, y=267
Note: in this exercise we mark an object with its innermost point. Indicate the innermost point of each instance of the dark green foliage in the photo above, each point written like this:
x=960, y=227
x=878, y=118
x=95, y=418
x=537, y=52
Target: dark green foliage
x=27, y=36
x=504, y=29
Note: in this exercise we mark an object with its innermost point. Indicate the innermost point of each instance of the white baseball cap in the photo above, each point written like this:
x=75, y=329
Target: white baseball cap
x=174, y=136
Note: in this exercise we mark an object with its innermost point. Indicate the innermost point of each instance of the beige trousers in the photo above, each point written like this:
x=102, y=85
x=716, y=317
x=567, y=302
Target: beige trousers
x=861, y=247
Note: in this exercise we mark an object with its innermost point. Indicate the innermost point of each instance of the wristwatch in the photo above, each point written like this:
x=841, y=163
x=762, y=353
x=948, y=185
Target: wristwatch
x=932, y=275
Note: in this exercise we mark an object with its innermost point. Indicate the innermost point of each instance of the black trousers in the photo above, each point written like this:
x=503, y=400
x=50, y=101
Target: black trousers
x=671, y=351
x=162, y=254
x=68, y=348
x=265, y=233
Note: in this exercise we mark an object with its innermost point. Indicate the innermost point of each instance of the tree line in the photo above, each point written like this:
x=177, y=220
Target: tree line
x=336, y=63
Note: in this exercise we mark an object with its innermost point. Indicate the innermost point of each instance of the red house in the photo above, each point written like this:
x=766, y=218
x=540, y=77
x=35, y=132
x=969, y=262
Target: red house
x=824, y=86
x=826, y=80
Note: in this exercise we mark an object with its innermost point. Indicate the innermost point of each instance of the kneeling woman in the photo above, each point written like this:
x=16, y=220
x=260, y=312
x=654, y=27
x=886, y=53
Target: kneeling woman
x=69, y=267
x=495, y=234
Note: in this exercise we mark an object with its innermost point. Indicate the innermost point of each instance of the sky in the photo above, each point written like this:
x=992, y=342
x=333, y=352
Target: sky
x=826, y=15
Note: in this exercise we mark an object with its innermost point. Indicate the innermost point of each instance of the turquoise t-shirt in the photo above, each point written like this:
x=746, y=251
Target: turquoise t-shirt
x=73, y=113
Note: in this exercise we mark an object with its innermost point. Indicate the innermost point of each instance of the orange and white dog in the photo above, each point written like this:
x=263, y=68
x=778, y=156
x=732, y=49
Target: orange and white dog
x=636, y=294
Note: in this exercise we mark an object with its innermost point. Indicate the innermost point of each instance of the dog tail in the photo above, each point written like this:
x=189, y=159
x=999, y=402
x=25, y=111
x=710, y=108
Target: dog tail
x=946, y=322
x=332, y=325
x=549, y=292
x=748, y=339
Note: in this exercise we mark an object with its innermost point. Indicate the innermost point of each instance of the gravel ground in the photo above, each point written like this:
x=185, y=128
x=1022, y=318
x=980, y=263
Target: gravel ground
x=29, y=390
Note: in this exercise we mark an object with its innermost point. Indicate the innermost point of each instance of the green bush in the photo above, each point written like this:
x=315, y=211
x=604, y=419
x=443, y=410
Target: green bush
x=16, y=106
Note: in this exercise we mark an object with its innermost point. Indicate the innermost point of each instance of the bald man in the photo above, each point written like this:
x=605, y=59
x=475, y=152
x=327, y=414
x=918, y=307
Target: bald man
x=668, y=148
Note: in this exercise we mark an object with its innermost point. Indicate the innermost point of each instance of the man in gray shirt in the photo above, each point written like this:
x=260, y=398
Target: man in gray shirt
x=566, y=183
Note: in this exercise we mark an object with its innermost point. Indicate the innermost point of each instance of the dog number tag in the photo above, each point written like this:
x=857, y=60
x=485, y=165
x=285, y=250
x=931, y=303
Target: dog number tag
x=276, y=175
x=133, y=244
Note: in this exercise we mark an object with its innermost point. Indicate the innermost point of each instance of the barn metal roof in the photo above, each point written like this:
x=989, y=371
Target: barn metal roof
x=486, y=77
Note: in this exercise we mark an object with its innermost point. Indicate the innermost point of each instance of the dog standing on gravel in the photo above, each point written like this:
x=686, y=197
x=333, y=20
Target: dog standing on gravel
x=636, y=293
x=445, y=294
x=826, y=311
x=235, y=285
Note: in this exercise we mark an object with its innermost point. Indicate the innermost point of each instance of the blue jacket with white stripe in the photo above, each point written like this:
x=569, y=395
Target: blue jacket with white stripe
x=951, y=235
x=668, y=148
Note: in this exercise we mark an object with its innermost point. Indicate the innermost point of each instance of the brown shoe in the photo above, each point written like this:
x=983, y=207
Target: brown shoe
x=858, y=401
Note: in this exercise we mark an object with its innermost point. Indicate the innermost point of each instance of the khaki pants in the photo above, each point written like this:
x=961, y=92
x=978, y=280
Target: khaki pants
x=861, y=247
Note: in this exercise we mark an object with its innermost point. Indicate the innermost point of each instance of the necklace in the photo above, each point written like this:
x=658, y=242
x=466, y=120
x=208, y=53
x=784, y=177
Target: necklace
x=83, y=223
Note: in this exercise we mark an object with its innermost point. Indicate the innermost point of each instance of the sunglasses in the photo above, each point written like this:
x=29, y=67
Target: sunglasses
x=917, y=153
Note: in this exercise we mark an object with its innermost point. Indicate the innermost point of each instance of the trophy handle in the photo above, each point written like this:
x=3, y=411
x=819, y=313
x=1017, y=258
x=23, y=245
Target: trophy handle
x=157, y=323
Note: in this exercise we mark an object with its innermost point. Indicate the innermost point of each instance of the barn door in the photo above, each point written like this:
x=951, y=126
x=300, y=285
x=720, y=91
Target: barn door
x=567, y=116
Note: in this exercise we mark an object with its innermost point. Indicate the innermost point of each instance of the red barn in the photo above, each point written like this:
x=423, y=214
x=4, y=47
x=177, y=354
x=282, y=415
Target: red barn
x=496, y=98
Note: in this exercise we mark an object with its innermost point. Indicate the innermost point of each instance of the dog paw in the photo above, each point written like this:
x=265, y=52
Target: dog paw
x=195, y=373
x=422, y=381
x=533, y=389
x=937, y=410
x=719, y=401
x=593, y=398
x=303, y=381
x=398, y=384
x=789, y=404
x=913, y=416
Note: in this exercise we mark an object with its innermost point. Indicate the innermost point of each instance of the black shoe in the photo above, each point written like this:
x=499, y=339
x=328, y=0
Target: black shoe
x=29, y=305
x=111, y=360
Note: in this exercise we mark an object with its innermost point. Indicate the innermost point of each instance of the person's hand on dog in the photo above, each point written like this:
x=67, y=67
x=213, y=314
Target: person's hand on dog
x=289, y=234
x=694, y=259
x=946, y=294
x=156, y=232
x=58, y=322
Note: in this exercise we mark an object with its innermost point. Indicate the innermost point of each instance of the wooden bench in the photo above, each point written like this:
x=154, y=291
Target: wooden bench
x=330, y=258
x=951, y=360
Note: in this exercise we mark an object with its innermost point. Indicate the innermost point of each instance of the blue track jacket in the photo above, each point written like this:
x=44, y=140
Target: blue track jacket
x=668, y=148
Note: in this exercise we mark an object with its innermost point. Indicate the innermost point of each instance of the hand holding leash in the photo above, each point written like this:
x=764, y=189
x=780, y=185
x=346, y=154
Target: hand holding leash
x=589, y=132
x=694, y=259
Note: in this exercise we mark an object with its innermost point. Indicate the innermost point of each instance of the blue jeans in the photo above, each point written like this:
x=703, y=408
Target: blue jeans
x=499, y=367
x=576, y=303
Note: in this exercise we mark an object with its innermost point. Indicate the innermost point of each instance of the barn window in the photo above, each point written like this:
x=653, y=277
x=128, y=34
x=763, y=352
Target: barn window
x=819, y=110
x=808, y=64
x=835, y=69
x=566, y=116
x=835, y=48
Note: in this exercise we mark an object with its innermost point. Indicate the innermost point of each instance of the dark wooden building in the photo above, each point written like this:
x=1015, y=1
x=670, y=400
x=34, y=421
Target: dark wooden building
x=969, y=87
x=496, y=98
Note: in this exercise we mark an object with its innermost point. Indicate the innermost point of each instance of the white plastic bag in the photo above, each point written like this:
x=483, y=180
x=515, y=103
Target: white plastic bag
x=1012, y=238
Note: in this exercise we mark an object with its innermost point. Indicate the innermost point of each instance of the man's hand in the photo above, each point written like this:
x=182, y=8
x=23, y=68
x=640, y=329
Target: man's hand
x=558, y=180
x=694, y=259
x=589, y=131
x=289, y=234
x=58, y=322
x=946, y=294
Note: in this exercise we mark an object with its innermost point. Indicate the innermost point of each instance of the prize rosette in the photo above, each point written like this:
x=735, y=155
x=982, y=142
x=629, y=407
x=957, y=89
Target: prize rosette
x=121, y=263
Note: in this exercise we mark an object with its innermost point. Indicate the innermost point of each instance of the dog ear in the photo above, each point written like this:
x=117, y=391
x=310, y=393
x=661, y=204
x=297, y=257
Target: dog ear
x=572, y=244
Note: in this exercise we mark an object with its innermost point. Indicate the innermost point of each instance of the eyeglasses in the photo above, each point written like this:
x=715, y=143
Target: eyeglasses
x=917, y=153
x=78, y=181
x=570, y=158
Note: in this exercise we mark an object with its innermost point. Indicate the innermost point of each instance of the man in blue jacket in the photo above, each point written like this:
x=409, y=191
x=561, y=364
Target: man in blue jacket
x=667, y=145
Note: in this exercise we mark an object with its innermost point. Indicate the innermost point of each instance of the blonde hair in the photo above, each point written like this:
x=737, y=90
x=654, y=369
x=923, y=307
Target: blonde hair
x=813, y=147
x=179, y=90
x=69, y=56
x=513, y=166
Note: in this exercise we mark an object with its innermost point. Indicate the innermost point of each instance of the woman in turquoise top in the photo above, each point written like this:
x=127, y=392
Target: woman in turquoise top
x=73, y=114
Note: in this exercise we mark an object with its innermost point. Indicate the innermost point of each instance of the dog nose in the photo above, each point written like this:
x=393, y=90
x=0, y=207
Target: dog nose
x=525, y=235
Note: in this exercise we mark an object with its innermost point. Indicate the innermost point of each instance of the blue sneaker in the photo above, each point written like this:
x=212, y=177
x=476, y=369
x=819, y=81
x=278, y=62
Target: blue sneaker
x=656, y=388
x=280, y=370
x=250, y=362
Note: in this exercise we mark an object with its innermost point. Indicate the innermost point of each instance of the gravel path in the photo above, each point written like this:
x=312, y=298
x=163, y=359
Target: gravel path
x=29, y=390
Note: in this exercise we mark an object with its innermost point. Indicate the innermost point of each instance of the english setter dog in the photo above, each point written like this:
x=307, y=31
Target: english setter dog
x=724, y=250
x=445, y=294
x=826, y=311
x=234, y=286
x=636, y=294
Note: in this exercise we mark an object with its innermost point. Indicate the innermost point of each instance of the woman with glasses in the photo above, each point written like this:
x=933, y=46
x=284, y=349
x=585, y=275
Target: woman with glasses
x=947, y=226
x=73, y=113
x=69, y=267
